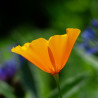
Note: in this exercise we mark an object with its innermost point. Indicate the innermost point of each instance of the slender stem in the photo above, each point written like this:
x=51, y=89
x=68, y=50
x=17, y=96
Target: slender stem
x=56, y=76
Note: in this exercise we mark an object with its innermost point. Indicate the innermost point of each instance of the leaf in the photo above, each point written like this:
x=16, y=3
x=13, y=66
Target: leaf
x=6, y=90
x=70, y=86
x=29, y=95
x=28, y=79
x=43, y=82
x=90, y=59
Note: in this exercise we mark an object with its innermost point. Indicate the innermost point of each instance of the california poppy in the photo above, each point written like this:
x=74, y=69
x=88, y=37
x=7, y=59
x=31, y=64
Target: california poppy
x=49, y=55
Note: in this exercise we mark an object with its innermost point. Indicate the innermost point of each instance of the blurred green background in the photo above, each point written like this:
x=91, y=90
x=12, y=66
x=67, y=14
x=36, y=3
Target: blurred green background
x=22, y=21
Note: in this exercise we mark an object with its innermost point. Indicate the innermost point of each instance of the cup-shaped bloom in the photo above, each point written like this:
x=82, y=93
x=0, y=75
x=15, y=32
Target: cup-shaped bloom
x=49, y=55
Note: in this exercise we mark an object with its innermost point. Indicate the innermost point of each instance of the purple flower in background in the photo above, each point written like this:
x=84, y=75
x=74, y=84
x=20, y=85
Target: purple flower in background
x=11, y=66
x=94, y=23
x=93, y=50
x=88, y=34
x=3, y=75
x=8, y=69
x=90, y=39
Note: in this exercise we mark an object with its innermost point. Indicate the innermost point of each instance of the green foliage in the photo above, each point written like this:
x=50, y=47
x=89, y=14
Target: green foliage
x=69, y=13
x=28, y=79
x=6, y=90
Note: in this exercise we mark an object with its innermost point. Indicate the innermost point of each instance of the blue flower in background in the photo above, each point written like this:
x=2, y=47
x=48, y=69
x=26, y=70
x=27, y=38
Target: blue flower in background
x=94, y=23
x=88, y=34
x=93, y=50
x=90, y=38
x=3, y=75
x=11, y=66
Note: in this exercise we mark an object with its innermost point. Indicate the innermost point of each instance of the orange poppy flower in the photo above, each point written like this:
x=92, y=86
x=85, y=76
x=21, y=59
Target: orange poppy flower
x=49, y=55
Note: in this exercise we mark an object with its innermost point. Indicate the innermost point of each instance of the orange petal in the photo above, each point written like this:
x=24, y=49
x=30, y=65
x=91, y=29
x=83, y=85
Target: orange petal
x=57, y=45
x=37, y=53
x=72, y=36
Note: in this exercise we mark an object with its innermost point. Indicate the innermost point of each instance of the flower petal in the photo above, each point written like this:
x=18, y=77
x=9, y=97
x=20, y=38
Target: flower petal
x=37, y=53
x=72, y=36
x=57, y=45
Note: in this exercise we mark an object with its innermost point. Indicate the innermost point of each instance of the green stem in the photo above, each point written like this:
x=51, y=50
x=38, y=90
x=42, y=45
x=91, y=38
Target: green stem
x=56, y=76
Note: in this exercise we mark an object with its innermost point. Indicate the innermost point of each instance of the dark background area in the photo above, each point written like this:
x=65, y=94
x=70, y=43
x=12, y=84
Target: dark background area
x=14, y=13
x=44, y=14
